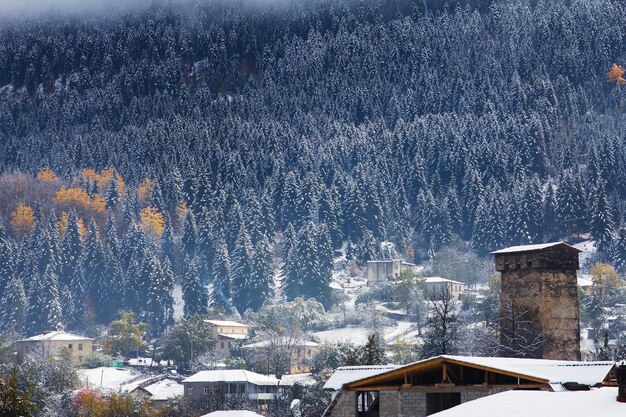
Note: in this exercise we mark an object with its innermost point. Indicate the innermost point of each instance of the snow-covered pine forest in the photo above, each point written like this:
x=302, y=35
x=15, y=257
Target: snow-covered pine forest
x=238, y=146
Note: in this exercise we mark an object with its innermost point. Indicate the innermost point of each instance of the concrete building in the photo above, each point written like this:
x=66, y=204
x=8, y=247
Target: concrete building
x=429, y=386
x=539, y=284
x=52, y=343
x=228, y=333
x=379, y=271
x=438, y=285
x=215, y=385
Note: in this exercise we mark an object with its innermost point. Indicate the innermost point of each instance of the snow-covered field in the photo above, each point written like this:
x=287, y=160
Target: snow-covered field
x=108, y=378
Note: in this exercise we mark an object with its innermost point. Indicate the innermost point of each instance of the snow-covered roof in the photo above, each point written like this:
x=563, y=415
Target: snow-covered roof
x=56, y=335
x=226, y=323
x=232, y=413
x=554, y=371
x=436, y=280
x=596, y=402
x=232, y=375
x=265, y=343
x=551, y=371
x=531, y=248
x=165, y=389
x=584, y=282
x=237, y=336
x=346, y=374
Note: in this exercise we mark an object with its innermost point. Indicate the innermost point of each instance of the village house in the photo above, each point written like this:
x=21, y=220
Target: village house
x=228, y=332
x=158, y=389
x=429, y=386
x=380, y=271
x=437, y=285
x=300, y=351
x=214, y=386
x=52, y=343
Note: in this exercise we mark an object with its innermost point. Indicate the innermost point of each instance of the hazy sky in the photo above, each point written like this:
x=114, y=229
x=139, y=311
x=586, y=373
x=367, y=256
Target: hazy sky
x=14, y=8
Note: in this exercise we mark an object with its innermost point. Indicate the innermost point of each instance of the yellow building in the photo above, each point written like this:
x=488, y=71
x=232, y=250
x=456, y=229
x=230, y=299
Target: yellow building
x=51, y=343
x=228, y=332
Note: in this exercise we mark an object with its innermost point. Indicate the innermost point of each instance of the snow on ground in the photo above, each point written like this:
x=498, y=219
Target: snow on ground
x=358, y=334
x=178, y=302
x=108, y=378
x=588, y=248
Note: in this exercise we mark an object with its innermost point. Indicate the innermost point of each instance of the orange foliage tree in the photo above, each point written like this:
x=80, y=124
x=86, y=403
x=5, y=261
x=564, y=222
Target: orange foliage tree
x=77, y=198
x=616, y=75
x=145, y=188
x=47, y=175
x=152, y=221
x=23, y=219
x=104, y=178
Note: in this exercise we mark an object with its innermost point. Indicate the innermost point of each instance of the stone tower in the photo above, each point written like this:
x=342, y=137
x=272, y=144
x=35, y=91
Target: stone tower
x=539, y=289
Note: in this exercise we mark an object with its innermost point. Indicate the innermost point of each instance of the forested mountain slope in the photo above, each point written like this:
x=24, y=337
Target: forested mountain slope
x=319, y=123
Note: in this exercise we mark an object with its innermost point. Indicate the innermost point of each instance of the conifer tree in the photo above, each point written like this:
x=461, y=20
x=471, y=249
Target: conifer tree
x=113, y=194
x=13, y=305
x=44, y=309
x=94, y=263
x=601, y=223
x=112, y=240
x=552, y=227
x=7, y=259
x=194, y=294
x=222, y=273
x=367, y=249
x=111, y=290
x=189, y=238
x=262, y=282
x=242, y=285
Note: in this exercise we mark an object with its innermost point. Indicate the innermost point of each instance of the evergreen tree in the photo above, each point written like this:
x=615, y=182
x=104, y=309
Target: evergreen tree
x=374, y=351
x=113, y=194
x=552, y=228
x=44, y=309
x=111, y=290
x=262, y=274
x=93, y=263
x=601, y=223
x=367, y=249
x=13, y=305
x=194, y=294
x=222, y=274
x=189, y=238
x=242, y=279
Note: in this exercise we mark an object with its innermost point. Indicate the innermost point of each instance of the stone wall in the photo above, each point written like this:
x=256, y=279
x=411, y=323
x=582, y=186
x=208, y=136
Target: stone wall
x=344, y=406
x=543, y=285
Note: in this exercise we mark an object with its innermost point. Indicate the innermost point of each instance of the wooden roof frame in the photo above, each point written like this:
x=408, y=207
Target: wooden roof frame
x=436, y=361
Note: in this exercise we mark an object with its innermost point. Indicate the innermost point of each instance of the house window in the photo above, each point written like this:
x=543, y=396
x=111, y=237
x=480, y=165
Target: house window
x=222, y=345
x=206, y=390
x=189, y=390
x=80, y=359
x=70, y=346
x=214, y=389
x=80, y=346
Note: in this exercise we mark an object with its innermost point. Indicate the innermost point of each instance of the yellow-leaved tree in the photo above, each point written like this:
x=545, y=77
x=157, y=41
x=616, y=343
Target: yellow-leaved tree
x=152, y=221
x=23, y=219
x=616, y=75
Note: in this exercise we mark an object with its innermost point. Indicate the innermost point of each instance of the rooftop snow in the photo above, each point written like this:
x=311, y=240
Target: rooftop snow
x=433, y=280
x=232, y=375
x=226, y=323
x=530, y=248
x=347, y=374
x=57, y=335
x=165, y=389
x=542, y=404
x=553, y=371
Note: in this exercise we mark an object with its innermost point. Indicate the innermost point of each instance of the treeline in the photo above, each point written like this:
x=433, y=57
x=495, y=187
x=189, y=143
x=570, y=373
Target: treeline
x=311, y=125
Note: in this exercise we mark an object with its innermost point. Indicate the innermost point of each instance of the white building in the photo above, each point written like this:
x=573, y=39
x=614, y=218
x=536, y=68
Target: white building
x=230, y=382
